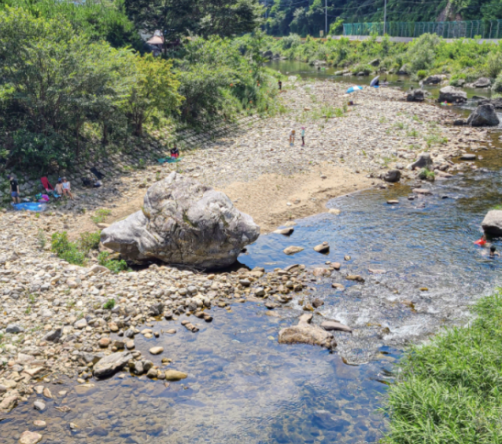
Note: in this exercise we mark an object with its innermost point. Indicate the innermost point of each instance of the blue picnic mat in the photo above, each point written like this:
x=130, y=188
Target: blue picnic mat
x=30, y=206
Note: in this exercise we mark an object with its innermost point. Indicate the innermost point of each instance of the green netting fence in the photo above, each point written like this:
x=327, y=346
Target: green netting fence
x=486, y=29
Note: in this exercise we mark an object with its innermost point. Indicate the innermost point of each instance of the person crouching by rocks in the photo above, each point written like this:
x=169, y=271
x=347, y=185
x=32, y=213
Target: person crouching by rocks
x=14, y=189
x=175, y=152
x=67, y=188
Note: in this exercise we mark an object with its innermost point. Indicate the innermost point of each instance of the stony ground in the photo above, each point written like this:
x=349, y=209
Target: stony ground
x=55, y=317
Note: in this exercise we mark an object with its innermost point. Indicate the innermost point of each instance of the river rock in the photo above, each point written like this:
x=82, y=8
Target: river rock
x=30, y=438
x=335, y=326
x=392, y=176
x=416, y=95
x=468, y=156
x=497, y=103
x=482, y=82
x=53, y=335
x=285, y=231
x=183, y=223
x=175, y=375
x=156, y=350
x=306, y=333
x=492, y=223
x=433, y=80
x=8, y=403
x=292, y=250
x=322, y=248
x=39, y=405
x=403, y=71
x=111, y=364
x=424, y=161
x=483, y=115
x=451, y=94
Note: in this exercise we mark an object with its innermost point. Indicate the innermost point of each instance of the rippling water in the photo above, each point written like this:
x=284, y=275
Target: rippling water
x=243, y=387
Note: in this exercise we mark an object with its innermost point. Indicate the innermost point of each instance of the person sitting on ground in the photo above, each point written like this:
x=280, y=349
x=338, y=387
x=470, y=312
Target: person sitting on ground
x=14, y=189
x=67, y=188
x=59, y=187
x=175, y=152
x=493, y=252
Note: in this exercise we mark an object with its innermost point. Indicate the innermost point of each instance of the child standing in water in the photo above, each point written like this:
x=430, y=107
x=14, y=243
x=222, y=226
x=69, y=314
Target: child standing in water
x=292, y=138
x=303, y=136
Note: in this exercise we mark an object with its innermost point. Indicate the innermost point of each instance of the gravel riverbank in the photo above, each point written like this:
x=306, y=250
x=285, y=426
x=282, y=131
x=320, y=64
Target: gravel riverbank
x=53, y=319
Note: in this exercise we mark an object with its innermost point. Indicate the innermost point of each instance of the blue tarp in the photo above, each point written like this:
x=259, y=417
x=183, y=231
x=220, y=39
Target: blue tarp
x=30, y=206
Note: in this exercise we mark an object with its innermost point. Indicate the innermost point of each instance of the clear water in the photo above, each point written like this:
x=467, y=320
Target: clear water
x=245, y=387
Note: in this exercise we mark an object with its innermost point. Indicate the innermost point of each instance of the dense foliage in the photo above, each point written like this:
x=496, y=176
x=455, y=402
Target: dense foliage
x=450, y=391
x=308, y=17
x=202, y=17
x=429, y=54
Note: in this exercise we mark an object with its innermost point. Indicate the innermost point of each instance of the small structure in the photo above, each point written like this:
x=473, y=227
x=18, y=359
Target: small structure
x=156, y=44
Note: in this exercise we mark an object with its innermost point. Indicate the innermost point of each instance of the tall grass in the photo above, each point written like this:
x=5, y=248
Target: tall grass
x=450, y=391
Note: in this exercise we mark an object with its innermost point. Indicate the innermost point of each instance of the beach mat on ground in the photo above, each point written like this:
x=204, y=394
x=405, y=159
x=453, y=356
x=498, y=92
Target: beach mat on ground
x=170, y=160
x=30, y=206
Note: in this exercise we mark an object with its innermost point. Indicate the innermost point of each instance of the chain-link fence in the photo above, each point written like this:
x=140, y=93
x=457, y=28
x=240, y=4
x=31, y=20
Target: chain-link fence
x=486, y=29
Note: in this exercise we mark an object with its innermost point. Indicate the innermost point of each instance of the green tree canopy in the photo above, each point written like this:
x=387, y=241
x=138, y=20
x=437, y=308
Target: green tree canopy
x=203, y=17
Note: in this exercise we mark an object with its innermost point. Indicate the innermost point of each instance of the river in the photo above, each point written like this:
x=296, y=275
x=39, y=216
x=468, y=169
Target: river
x=245, y=387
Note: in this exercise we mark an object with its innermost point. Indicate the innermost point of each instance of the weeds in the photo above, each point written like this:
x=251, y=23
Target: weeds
x=101, y=215
x=109, y=304
x=67, y=250
x=89, y=241
x=413, y=133
x=426, y=174
x=42, y=240
x=114, y=266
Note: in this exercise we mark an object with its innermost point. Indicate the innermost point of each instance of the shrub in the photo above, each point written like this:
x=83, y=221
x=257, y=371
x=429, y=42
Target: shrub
x=101, y=215
x=109, y=304
x=114, y=266
x=90, y=241
x=67, y=250
x=426, y=174
x=421, y=74
x=494, y=64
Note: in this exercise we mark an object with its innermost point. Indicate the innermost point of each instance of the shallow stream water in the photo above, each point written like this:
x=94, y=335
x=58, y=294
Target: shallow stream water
x=244, y=387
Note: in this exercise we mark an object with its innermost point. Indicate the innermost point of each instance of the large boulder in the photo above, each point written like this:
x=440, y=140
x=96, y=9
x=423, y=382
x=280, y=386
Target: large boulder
x=403, y=71
x=492, y=223
x=424, y=161
x=451, y=94
x=111, y=364
x=183, y=222
x=306, y=333
x=483, y=115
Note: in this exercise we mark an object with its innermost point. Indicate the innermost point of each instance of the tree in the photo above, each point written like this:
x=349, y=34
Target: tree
x=53, y=84
x=155, y=88
x=176, y=18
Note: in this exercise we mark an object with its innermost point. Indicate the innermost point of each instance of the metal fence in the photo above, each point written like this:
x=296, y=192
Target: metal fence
x=486, y=29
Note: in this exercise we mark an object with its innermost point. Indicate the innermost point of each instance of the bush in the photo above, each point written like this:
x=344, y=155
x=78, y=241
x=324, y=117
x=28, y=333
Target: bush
x=113, y=265
x=90, y=241
x=421, y=74
x=67, y=250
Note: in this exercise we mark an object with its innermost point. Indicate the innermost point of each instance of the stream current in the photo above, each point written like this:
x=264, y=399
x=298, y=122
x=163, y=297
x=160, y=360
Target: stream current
x=244, y=387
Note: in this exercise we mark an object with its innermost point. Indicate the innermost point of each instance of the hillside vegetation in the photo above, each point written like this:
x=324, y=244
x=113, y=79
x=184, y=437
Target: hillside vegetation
x=307, y=17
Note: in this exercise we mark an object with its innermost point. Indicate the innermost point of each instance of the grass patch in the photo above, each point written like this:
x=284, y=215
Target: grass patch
x=450, y=391
x=42, y=240
x=89, y=241
x=114, y=266
x=497, y=207
x=109, y=304
x=101, y=215
x=66, y=250
x=426, y=174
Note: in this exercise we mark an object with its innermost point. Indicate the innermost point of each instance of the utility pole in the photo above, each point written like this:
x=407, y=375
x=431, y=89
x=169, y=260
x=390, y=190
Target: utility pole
x=385, y=17
x=326, y=19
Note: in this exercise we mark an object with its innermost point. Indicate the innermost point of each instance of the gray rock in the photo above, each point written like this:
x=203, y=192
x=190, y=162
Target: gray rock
x=183, y=223
x=322, y=248
x=335, y=326
x=305, y=333
x=483, y=115
x=14, y=328
x=80, y=324
x=403, y=71
x=468, y=156
x=482, y=82
x=433, y=80
x=39, y=405
x=424, y=161
x=492, y=223
x=156, y=309
x=54, y=335
x=138, y=368
x=451, y=94
x=416, y=95
x=111, y=364
x=497, y=103
x=375, y=62
x=392, y=176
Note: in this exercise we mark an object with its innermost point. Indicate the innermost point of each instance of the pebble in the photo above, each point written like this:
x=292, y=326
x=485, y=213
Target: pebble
x=30, y=438
x=174, y=375
x=292, y=250
x=322, y=248
x=156, y=350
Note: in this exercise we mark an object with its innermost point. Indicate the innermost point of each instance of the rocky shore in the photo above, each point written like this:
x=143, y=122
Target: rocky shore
x=58, y=319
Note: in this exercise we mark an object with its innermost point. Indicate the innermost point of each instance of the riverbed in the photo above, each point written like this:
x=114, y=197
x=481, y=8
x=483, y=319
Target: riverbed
x=421, y=271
